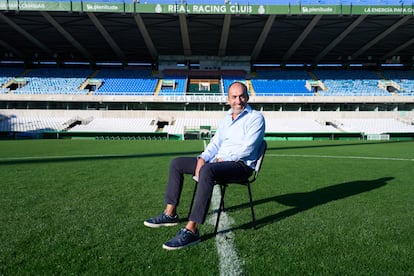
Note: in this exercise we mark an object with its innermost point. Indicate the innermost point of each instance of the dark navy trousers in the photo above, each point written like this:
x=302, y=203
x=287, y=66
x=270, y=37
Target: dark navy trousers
x=209, y=173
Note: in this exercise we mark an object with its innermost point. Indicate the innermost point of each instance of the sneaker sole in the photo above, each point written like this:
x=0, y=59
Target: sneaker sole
x=166, y=247
x=158, y=225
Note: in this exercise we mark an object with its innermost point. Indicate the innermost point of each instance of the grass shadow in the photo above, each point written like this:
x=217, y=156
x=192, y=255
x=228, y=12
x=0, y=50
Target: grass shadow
x=301, y=202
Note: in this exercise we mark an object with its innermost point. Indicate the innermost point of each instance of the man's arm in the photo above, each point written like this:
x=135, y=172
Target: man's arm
x=212, y=148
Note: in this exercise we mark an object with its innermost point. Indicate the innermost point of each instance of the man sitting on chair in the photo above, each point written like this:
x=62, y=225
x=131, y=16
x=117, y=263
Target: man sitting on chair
x=231, y=154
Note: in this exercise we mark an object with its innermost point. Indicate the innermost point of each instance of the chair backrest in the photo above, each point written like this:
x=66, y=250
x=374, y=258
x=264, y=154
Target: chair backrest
x=259, y=162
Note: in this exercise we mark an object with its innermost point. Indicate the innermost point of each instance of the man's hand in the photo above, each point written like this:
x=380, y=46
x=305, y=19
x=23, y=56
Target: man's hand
x=200, y=163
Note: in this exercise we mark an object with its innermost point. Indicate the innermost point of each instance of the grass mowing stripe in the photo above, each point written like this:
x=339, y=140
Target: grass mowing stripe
x=76, y=157
x=229, y=262
x=342, y=157
x=64, y=157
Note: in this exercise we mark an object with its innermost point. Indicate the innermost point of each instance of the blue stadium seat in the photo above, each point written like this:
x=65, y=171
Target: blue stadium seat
x=8, y=73
x=54, y=81
x=281, y=83
x=180, y=86
x=405, y=79
x=126, y=82
x=350, y=83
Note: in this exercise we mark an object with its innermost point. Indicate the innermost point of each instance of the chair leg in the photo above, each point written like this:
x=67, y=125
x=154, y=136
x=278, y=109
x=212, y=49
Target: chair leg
x=192, y=200
x=251, y=205
x=220, y=208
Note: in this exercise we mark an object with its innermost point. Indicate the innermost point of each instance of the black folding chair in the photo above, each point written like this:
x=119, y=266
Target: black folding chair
x=243, y=181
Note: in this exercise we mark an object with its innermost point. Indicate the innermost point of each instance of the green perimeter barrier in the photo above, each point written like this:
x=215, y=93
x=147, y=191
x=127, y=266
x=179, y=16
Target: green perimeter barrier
x=109, y=135
x=306, y=136
x=274, y=136
x=401, y=136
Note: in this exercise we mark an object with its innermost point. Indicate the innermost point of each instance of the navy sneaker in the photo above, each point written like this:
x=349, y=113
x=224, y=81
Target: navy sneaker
x=161, y=220
x=183, y=239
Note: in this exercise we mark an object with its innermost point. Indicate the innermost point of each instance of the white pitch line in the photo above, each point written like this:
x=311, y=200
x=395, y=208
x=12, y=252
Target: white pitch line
x=229, y=262
x=342, y=157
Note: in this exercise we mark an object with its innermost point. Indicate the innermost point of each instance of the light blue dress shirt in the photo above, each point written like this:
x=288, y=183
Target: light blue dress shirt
x=238, y=139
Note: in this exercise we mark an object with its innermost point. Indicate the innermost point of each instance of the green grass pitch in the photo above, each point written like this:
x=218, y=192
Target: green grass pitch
x=322, y=208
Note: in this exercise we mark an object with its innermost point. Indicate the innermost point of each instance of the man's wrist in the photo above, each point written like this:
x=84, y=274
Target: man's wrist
x=201, y=158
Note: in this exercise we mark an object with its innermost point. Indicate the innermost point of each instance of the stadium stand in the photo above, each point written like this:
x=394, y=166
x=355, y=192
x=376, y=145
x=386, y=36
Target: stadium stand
x=195, y=125
x=126, y=82
x=404, y=80
x=350, y=83
x=281, y=82
x=33, y=123
x=175, y=84
x=117, y=125
x=298, y=125
x=204, y=87
x=184, y=60
x=7, y=78
x=264, y=83
x=180, y=125
x=374, y=125
x=53, y=81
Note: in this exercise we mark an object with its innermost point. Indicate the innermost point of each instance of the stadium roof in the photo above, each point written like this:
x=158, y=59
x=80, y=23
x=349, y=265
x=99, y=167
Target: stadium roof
x=129, y=32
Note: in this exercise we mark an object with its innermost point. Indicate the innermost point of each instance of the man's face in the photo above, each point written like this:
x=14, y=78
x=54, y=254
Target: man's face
x=237, y=98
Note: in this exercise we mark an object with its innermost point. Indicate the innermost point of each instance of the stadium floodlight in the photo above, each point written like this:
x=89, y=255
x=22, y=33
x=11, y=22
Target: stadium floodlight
x=267, y=65
x=295, y=65
x=329, y=65
x=76, y=63
x=392, y=65
x=11, y=62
